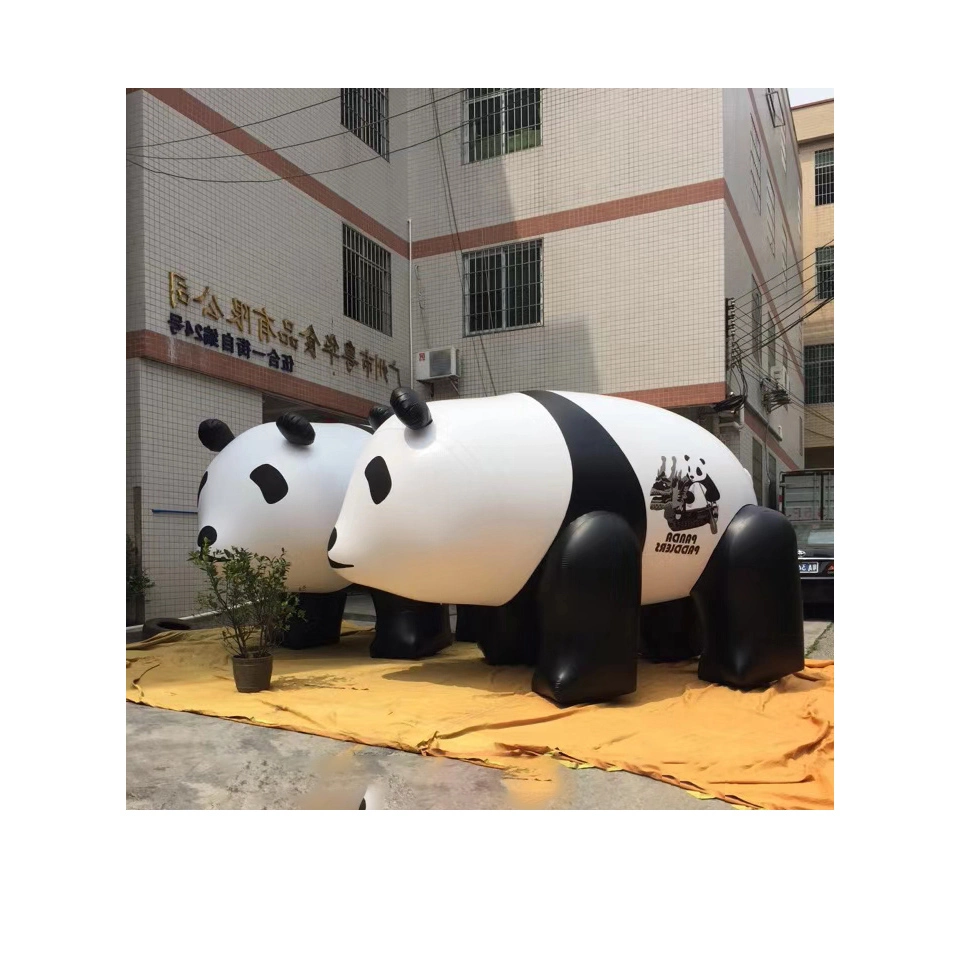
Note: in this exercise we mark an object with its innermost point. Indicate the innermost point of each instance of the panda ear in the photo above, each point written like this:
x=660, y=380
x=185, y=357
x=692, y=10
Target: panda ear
x=412, y=411
x=378, y=415
x=215, y=435
x=296, y=429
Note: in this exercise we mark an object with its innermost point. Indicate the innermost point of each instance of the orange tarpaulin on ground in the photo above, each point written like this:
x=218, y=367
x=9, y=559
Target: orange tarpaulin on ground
x=771, y=748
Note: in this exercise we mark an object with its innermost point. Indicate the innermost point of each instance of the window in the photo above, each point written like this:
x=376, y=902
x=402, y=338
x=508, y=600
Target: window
x=758, y=471
x=367, y=282
x=825, y=272
x=771, y=487
x=364, y=111
x=755, y=164
x=770, y=216
x=757, y=323
x=823, y=177
x=503, y=287
x=499, y=121
x=819, y=367
x=771, y=347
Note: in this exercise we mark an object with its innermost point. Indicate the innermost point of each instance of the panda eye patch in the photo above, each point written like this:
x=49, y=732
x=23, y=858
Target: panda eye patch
x=202, y=482
x=271, y=482
x=379, y=479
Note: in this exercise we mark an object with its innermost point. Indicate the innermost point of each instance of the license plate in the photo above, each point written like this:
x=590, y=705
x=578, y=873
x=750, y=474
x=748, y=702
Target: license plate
x=808, y=568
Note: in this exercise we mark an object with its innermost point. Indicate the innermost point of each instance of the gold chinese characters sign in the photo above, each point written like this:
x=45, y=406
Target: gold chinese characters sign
x=244, y=317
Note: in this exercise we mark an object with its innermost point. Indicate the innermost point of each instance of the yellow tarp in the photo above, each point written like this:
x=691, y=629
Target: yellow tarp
x=770, y=748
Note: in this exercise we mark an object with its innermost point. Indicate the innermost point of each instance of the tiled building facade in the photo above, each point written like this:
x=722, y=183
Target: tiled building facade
x=575, y=239
x=815, y=133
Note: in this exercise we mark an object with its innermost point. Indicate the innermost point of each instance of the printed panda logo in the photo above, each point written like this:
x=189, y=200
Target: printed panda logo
x=689, y=499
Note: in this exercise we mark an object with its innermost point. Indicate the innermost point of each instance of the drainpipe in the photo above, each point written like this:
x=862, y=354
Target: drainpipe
x=411, y=355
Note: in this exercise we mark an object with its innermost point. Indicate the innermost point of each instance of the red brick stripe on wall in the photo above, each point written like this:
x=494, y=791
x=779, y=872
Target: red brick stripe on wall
x=203, y=115
x=181, y=354
x=771, y=442
x=649, y=202
x=678, y=397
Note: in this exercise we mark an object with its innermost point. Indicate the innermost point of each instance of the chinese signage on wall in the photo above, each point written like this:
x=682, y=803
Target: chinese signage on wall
x=245, y=317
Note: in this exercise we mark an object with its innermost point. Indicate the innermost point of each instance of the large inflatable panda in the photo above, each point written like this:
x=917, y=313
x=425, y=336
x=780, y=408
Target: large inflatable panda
x=573, y=521
x=280, y=486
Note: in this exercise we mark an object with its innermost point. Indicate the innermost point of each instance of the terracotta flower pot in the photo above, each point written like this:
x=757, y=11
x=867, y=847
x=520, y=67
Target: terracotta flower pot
x=252, y=674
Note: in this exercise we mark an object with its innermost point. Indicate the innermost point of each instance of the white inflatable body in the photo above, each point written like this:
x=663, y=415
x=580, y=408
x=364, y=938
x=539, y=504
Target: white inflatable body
x=265, y=492
x=464, y=509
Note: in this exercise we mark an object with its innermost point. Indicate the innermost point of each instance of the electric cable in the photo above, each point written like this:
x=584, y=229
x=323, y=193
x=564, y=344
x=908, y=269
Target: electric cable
x=302, y=175
x=280, y=148
x=235, y=128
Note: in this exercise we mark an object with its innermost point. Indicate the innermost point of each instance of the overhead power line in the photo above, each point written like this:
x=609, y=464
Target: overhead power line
x=337, y=168
x=235, y=128
x=280, y=148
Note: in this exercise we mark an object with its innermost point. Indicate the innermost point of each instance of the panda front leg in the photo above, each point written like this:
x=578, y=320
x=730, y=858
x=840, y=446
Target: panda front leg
x=321, y=624
x=750, y=609
x=408, y=629
x=589, y=612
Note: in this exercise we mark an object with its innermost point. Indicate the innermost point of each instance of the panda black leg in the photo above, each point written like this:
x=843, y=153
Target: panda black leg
x=749, y=605
x=468, y=619
x=322, y=624
x=510, y=634
x=408, y=629
x=590, y=612
x=670, y=631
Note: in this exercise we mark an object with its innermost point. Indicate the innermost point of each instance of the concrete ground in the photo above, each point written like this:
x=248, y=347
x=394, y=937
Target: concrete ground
x=181, y=761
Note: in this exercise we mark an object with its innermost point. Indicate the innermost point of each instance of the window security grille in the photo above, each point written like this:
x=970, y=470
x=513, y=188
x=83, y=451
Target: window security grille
x=503, y=287
x=364, y=111
x=819, y=367
x=367, y=282
x=755, y=164
x=825, y=272
x=757, y=316
x=823, y=177
x=499, y=121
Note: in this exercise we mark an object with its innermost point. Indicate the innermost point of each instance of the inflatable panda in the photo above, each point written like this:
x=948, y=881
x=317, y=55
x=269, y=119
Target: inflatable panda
x=280, y=486
x=549, y=511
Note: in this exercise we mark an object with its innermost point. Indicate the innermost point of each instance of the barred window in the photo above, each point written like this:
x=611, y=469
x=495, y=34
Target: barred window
x=364, y=111
x=499, y=121
x=367, y=282
x=818, y=363
x=823, y=177
x=755, y=164
x=825, y=272
x=757, y=316
x=503, y=287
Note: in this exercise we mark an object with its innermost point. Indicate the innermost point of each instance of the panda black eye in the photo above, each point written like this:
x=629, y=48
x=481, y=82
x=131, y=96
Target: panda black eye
x=271, y=482
x=202, y=482
x=379, y=479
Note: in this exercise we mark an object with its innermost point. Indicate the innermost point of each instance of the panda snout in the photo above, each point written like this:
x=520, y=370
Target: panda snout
x=330, y=545
x=206, y=533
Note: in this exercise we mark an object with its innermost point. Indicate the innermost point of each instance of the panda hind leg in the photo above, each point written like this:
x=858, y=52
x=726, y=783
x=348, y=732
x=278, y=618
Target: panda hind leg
x=750, y=609
x=590, y=612
x=408, y=629
x=321, y=624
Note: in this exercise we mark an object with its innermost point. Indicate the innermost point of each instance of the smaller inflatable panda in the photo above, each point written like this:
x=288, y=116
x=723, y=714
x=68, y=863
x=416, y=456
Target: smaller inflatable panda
x=548, y=512
x=280, y=486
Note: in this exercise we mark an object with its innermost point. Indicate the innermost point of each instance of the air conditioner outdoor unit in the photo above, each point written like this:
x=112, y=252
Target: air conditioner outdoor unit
x=436, y=363
x=781, y=376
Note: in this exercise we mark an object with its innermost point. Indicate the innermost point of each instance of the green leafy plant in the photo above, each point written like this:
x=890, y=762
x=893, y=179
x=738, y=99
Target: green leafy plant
x=249, y=593
x=138, y=581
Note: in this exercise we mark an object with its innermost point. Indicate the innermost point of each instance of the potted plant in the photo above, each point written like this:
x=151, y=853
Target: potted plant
x=137, y=584
x=248, y=591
